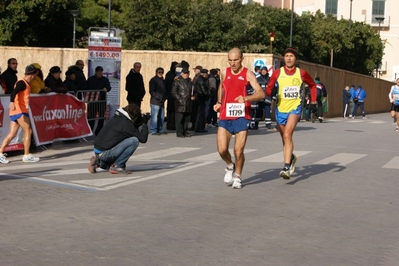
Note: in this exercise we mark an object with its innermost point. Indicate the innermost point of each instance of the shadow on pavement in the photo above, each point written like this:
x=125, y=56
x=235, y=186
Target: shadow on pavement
x=301, y=173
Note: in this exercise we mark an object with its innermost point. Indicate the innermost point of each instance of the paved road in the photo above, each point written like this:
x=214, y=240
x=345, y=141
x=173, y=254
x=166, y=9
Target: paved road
x=340, y=208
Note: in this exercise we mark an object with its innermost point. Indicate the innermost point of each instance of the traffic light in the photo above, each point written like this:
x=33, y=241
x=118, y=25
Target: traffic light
x=271, y=36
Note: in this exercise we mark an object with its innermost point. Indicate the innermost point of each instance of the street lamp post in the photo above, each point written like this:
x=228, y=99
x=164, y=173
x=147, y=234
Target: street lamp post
x=379, y=19
x=109, y=18
x=74, y=14
x=350, y=12
x=292, y=21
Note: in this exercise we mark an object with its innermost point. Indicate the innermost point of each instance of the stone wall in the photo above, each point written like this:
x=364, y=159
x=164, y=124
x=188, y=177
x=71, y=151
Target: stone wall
x=334, y=79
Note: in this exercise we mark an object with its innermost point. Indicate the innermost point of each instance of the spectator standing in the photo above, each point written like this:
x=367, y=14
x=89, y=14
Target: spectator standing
x=257, y=71
x=181, y=92
x=235, y=108
x=194, y=111
x=98, y=82
x=263, y=79
x=80, y=80
x=69, y=82
x=119, y=139
x=135, y=85
x=170, y=107
x=201, y=94
x=346, y=97
x=54, y=82
x=37, y=84
x=321, y=92
x=394, y=99
x=351, y=103
x=157, y=100
x=211, y=115
x=9, y=76
x=358, y=97
x=19, y=116
x=3, y=87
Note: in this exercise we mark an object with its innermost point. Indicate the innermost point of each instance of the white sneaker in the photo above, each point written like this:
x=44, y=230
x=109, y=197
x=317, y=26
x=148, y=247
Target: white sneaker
x=3, y=158
x=228, y=176
x=285, y=173
x=30, y=159
x=292, y=165
x=236, y=182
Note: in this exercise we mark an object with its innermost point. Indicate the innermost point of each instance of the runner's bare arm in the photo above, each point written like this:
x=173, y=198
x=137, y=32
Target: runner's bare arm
x=216, y=107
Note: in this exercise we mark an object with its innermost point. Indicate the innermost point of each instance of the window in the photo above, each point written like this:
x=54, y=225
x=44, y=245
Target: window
x=378, y=10
x=331, y=7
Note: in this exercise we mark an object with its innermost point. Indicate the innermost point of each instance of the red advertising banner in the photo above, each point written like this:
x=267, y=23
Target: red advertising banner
x=57, y=116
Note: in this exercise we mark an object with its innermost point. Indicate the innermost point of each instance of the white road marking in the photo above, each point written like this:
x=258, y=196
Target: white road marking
x=393, y=164
x=163, y=153
x=214, y=156
x=278, y=157
x=105, y=184
x=342, y=158
x=376, y=122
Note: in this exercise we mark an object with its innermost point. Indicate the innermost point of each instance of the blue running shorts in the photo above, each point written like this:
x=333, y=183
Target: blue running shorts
x=281, y=118
x=14, y=118
x=234, y=126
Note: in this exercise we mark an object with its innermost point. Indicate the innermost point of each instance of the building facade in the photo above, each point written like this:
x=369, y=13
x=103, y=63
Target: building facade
x=379, y=14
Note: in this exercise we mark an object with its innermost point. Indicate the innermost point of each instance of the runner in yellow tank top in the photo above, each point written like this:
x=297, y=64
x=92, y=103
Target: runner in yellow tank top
x=19, y=116
x=286, y=83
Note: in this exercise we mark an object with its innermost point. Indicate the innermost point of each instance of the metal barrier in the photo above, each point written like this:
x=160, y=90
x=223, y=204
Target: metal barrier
x=96, y=107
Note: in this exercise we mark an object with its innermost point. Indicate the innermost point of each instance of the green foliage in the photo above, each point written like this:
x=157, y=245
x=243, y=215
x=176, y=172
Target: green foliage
x=193, y=25
x=36, y=22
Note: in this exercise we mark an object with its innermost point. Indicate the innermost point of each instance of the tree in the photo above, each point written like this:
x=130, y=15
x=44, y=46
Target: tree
x=45, y=23
x=187, y=25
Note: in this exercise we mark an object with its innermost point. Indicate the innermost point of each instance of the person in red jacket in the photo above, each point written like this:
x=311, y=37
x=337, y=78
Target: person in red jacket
x=285, y=83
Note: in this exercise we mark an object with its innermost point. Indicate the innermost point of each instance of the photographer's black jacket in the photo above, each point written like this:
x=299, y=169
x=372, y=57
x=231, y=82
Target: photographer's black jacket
x=118, y=128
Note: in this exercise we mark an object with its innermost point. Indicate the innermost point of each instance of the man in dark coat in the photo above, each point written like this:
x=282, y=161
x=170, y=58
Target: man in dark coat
x=170, y=108
x=135, y=85
x=10, y=75
x=202, y=94
x=100, y=83
x=181, y=91
x=158, y=96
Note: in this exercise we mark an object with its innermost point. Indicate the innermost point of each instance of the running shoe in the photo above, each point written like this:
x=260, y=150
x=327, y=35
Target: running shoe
x=292, y=163
x=397, y=130
x=93, y=164
x=228, y=176
x=3, y=158
x=321, y=119
x=285, y=173
x=30, y=159
x=236, y=182
x=118, y=170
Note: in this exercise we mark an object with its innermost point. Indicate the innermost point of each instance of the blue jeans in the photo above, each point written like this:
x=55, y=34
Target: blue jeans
x=119, y=154
x=157, y=117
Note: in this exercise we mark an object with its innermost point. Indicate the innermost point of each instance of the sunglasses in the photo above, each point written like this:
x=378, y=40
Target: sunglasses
x=160, y=72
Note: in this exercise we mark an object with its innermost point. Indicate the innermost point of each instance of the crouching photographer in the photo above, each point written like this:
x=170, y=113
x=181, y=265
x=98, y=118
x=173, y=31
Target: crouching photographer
x=119, y=139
